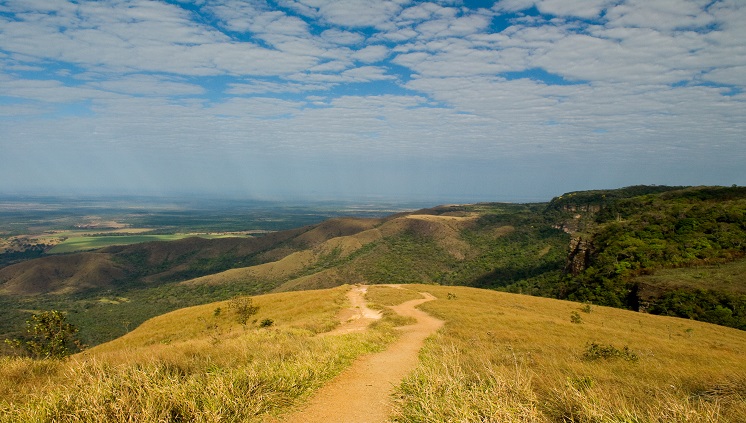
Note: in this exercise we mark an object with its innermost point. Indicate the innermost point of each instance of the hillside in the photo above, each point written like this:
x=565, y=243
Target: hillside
x=499, y=358
x=451, y=244
x=618, y=240
x=603, y=247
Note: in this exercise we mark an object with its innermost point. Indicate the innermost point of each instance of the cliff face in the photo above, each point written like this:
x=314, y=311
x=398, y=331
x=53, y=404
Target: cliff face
x=580, y=255
x=578, y=221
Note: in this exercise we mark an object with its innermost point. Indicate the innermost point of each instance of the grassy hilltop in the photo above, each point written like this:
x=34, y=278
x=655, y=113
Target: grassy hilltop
x=500, y=358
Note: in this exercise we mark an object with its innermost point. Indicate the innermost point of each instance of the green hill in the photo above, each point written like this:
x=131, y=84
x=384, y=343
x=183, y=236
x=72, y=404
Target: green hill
x=622, y=239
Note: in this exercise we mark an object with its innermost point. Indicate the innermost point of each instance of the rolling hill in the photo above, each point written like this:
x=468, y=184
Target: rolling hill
x=602, y=247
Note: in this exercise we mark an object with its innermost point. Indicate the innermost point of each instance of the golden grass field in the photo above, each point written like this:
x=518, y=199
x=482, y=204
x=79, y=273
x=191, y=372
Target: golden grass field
x=499, y=358
x=191, y=365
x=510, y=358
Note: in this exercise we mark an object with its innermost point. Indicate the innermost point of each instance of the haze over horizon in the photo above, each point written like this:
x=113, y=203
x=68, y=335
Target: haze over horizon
x=297, y=99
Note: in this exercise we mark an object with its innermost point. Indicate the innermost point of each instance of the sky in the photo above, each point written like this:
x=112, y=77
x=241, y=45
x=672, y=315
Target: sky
x=450, y=101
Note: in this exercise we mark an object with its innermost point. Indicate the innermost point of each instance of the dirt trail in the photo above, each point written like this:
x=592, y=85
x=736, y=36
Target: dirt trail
x=361, y=394
x=358, y=316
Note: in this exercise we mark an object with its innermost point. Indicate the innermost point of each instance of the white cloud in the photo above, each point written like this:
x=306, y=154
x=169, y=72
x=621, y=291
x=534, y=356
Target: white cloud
x=148, y=85
x=371, y=54
x=349, y=13
x=577, y=8
x=425, y=11
x=458, y=58
x=48, y=90
x=660, y=14
x=455, y=27
x=256, y=107
x=262, y=87
x=359, y=74
x=254, y=16
x=337, y=36
x=735, y=75
x=513, y=5
x=240, y=85
x=145, y=36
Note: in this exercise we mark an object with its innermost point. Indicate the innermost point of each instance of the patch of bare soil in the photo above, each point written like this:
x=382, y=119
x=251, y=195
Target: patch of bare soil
x=362, y=393
x=358, y=316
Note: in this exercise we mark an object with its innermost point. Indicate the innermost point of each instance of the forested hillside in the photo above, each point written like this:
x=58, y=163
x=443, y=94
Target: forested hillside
x=626, y=239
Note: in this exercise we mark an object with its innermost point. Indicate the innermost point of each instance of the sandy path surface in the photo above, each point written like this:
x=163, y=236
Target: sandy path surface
x=358, y=316
x=361, y=394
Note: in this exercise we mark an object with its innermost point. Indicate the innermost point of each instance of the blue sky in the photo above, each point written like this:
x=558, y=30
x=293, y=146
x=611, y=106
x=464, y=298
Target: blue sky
x=444, y=100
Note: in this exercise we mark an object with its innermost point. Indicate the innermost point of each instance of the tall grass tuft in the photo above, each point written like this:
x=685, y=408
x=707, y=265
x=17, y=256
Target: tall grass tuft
x=449, y=387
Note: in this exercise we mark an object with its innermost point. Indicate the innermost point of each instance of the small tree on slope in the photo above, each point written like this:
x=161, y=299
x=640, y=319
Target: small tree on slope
x=49, y=335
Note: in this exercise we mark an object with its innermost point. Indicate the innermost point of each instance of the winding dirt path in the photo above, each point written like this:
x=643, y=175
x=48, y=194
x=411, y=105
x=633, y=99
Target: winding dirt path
x=358, y=316
x=361, y=394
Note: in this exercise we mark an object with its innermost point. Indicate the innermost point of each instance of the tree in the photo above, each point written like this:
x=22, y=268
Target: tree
x=49, y=335
x=244, y=307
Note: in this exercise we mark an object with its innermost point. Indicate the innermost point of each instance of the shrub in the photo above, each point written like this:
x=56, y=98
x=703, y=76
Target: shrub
x=244, y=308
x=595, y=351
x=49, y=336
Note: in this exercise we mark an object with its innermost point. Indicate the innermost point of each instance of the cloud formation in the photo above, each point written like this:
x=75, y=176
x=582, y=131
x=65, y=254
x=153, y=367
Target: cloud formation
x=488, y=102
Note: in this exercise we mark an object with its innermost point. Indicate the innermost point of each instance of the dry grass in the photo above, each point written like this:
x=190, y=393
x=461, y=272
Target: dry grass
x=59, y=274
x=500, y=358
x=287, y=267
x=385, y=295
x=509, y=358
x=191, y=365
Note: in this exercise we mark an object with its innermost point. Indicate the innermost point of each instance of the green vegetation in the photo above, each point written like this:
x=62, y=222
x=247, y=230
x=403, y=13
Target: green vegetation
x=642, y=235
x=721, y=277
x=596, y=351
x=502, y=246
x=10, y=257
x=104, y=315
x=48, y=335
x=404, y=258
x=83, y=243
x=244, y=308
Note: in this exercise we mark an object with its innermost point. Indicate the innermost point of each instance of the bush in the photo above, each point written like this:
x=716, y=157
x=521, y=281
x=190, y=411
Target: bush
x=594, y=351
x=244, y=308
x=49, y=336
